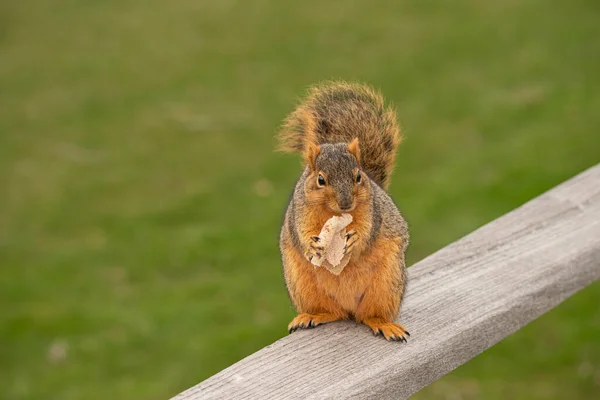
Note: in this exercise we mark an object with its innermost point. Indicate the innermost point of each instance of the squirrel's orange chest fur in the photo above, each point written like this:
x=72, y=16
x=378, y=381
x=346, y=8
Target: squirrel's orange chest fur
x=348, y=287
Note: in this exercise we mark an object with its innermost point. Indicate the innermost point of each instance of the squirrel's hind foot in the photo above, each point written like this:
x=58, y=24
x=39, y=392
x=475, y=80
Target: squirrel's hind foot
x=389, y=330
x=305, y=321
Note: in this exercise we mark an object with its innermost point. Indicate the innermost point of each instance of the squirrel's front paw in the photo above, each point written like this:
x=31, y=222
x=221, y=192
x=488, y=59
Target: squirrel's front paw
x=351, y=239
x=314, y=249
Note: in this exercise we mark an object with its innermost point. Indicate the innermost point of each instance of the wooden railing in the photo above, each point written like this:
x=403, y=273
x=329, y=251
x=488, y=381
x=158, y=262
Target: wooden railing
x=460, y=301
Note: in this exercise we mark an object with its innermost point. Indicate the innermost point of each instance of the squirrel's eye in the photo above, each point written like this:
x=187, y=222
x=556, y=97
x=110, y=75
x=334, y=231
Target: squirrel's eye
x=321, y=180
x=358, y=177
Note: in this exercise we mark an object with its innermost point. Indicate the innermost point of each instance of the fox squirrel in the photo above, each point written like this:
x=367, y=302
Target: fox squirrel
x=348, y=139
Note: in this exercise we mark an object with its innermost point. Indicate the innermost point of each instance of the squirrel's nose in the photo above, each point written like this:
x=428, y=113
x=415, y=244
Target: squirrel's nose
x=345, y=205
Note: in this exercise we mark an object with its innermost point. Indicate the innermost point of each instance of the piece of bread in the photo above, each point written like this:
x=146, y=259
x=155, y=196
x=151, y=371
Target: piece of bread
x=333, y=240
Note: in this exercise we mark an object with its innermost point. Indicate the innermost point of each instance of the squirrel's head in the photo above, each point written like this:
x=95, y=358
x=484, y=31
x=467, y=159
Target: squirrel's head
x=335, y=178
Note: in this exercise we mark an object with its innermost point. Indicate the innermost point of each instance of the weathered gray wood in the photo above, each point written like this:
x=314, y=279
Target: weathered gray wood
x=461, y=300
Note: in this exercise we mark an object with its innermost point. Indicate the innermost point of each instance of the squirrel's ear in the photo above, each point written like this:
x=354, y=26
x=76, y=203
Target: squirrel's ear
x=354, y=149
x=312, y=151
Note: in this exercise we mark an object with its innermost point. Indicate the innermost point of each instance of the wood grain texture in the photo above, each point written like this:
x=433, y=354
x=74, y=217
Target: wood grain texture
x=460, y=301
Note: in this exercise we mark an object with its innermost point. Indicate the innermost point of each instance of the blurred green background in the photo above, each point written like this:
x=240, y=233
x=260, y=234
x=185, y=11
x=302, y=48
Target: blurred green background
x=141, y=200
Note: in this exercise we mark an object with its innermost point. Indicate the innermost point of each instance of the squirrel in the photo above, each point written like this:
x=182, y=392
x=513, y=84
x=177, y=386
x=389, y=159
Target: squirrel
x=348, y=139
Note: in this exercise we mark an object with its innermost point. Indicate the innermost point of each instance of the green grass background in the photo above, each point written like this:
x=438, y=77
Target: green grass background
x=140, y=199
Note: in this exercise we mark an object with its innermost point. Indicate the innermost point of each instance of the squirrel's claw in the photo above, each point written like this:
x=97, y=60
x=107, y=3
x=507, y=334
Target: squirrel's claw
x=316, y=247
x=305, y=321
x=351, y=238
x=314, y=250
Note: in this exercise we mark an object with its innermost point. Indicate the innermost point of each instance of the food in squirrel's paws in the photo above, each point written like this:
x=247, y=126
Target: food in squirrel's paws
x=333, y=240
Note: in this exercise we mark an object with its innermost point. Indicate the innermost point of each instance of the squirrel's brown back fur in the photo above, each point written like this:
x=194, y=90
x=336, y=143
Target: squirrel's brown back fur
x=338, y=112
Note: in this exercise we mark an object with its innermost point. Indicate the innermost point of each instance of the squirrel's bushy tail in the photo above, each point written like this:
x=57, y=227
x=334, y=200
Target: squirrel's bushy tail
x=338, y=112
